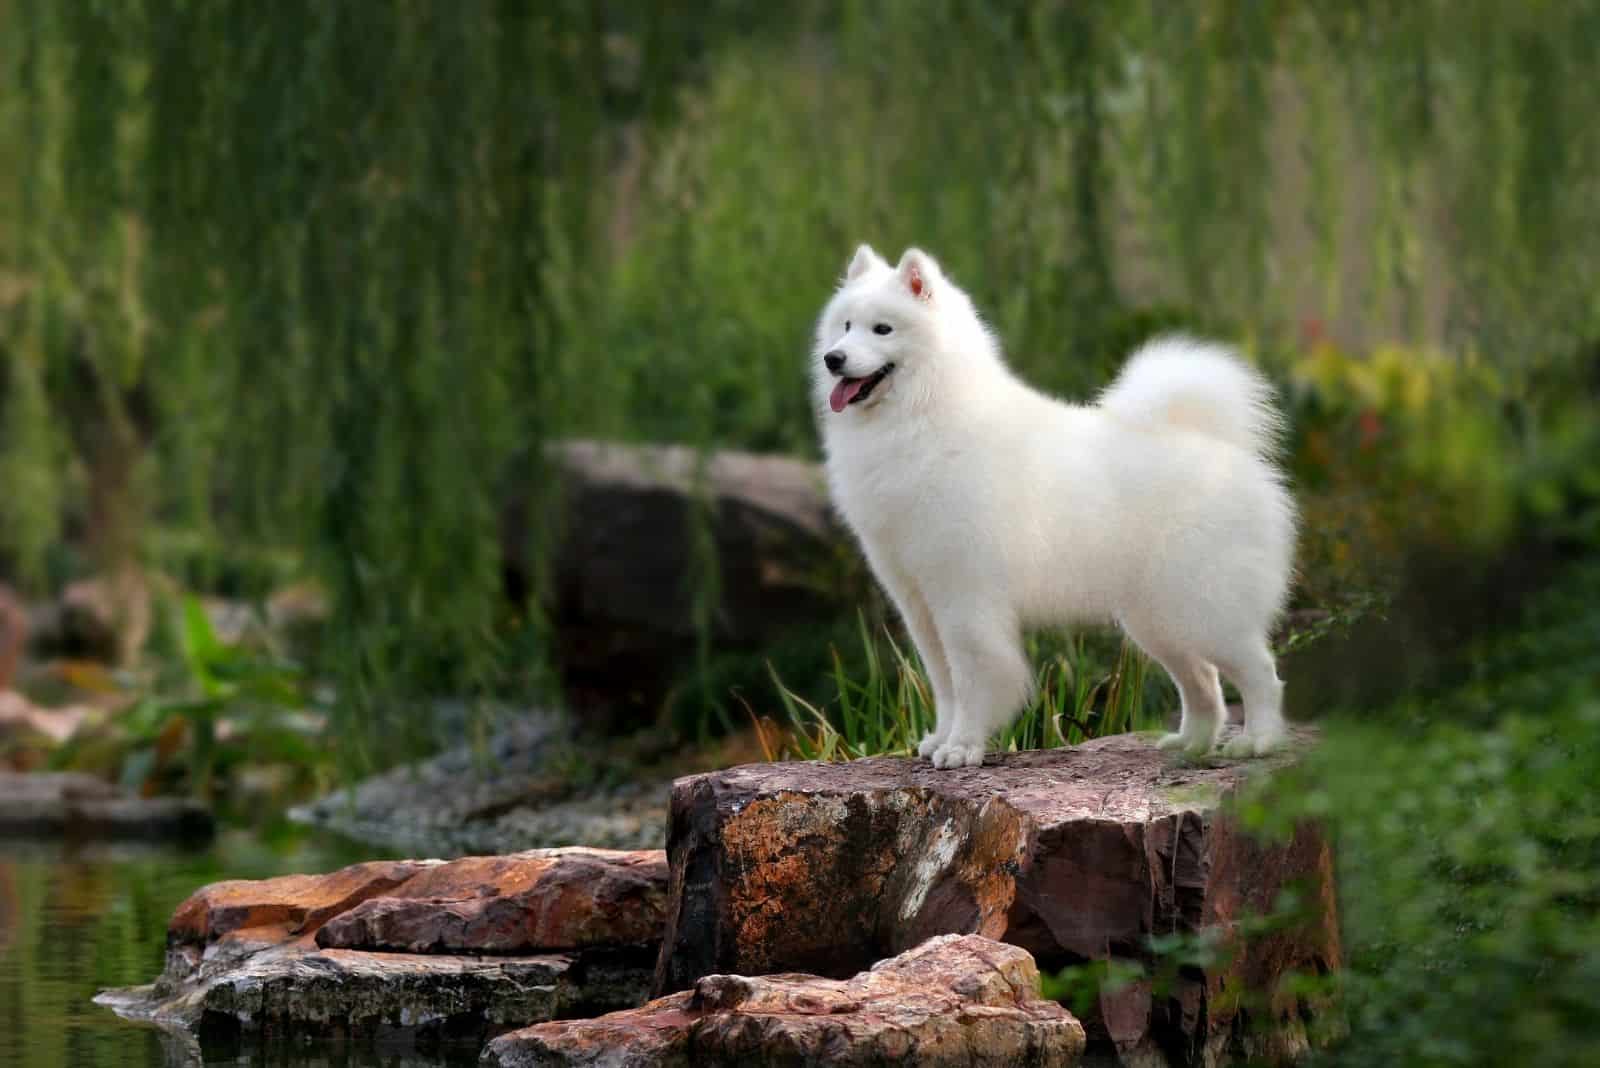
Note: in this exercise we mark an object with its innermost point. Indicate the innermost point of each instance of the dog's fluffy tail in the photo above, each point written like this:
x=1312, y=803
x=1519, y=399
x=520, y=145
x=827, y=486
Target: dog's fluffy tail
x=1201, y=386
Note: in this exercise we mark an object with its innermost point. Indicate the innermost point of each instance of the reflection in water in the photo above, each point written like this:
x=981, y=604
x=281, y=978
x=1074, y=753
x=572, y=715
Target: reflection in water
x=75, y=919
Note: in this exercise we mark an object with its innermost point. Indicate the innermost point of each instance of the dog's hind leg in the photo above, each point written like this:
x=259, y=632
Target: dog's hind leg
x=992, y=681
x=1252, y=670
x=1199, y=687
x=1200, y=691
x=919, y=622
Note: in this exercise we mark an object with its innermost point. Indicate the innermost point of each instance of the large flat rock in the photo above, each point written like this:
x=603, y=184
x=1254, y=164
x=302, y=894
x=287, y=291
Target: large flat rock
x=573, y=898
x=460, y=949
x=955, y=1000
x=1074, y=854
x=281, y=990
x=74, y=805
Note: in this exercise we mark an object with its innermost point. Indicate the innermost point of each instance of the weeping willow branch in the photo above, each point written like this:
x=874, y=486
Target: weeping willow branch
x=319, y=274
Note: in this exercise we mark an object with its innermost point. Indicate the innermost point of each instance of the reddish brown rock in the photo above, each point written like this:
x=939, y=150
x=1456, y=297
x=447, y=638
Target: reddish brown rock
x=955, y=1000
x=542, y=900
x=506, y=941
x=13, y=635
x=1073, y=854
x=292, y=904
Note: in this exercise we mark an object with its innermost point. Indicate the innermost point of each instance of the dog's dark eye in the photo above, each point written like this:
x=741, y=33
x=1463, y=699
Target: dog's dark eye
x=883, y=328
x=847, y=326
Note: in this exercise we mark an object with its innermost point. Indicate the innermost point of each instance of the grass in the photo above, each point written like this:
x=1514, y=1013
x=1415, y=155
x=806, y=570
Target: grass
x=1088, y=684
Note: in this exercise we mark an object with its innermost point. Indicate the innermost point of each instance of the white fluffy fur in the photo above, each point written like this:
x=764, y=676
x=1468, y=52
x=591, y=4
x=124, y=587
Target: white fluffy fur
x=985, y=507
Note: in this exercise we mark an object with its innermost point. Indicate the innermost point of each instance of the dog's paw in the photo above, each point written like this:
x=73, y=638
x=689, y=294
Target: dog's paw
x=929, y=745
x=1252, y=745
x=958, y=755
x=1194, y=747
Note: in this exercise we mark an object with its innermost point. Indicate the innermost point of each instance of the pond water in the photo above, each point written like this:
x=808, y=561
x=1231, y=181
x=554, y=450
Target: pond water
x=76, y=918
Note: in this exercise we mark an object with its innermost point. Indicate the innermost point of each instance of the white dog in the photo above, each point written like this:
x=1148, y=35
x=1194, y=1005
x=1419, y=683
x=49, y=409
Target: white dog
x=985, y=506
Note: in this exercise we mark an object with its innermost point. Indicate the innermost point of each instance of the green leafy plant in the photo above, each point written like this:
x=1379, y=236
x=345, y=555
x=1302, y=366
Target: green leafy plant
x=218, y=707
x=1466, y=830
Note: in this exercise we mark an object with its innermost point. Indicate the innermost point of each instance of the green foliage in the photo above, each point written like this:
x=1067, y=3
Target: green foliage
x=219, y=708
x=1404, y=451
x=1467, y=836
x=1180, y=955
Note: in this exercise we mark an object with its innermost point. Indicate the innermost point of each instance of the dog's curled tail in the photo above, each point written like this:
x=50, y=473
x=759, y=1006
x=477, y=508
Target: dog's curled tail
x=1201, y=386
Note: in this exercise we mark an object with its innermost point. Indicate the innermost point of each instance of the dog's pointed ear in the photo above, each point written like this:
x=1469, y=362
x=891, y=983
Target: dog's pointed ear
x=918, y=273
x=864, y=260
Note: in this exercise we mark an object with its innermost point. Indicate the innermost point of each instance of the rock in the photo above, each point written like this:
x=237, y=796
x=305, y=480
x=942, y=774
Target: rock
x=76, y=805
x=56, y=724
x=30, y=732
x=459, y=949
x=300, y=605
x=279, y=990
x=13, y=635
x=102, y=618
x=624, y=595
x=289, y=905
x=954, y=1000
x=1073, y=854
x=498, y=798
x=297, y=614
x=573, y=898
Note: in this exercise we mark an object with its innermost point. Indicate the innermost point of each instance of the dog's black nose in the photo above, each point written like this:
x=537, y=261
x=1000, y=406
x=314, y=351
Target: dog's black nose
x=834, y=361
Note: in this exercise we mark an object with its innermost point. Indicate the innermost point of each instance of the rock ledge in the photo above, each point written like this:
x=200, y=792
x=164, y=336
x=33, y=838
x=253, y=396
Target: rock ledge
x=460, y=949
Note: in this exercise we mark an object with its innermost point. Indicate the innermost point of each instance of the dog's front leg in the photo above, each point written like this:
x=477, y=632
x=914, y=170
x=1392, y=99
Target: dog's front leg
x=992, y=681
x=919, y=623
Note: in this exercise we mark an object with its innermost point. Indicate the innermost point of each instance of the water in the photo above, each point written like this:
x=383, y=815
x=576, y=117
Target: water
x=75, y=919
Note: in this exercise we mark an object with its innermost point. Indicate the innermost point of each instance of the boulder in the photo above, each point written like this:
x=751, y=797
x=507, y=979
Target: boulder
x=955, y=1000
x=420, y=948
x=631, y=564
x=72, y=804
x=1074, y=854
x=628, y=545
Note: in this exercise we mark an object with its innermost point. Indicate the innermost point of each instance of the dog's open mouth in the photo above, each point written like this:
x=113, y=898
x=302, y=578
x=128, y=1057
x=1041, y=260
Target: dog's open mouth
x=848, y=391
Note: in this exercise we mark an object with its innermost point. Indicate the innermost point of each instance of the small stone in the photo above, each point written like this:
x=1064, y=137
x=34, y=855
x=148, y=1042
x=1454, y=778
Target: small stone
x=954, y=1000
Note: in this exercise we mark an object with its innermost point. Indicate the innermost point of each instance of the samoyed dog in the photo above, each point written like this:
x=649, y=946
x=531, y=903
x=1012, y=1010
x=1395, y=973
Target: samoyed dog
x=985, y=507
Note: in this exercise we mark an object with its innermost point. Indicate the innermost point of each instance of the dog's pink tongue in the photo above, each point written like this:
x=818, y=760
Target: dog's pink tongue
x=843, y=392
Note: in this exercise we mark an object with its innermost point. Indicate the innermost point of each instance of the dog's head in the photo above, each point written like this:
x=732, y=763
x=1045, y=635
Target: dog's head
x=877, y=330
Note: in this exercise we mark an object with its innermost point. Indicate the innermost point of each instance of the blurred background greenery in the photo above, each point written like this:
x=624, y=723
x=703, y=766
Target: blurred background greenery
x=293, y=297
